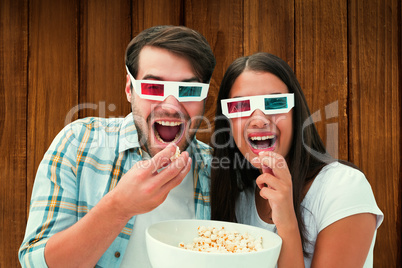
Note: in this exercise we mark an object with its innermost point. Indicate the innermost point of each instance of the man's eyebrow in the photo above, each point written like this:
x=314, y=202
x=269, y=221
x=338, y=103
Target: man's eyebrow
x=154, y=77
x=151, y=77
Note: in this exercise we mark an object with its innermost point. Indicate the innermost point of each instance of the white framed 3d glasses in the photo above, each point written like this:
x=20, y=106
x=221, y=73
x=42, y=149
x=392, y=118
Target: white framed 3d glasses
x=268, y=104
x=160, y=90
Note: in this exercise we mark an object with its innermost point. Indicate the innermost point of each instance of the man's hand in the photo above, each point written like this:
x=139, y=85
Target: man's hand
x=143, y=188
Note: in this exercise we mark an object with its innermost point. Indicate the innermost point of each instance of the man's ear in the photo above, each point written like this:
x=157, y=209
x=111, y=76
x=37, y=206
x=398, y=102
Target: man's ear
x=128, y=88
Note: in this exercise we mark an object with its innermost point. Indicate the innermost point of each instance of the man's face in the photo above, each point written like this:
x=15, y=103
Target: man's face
x=159, y=123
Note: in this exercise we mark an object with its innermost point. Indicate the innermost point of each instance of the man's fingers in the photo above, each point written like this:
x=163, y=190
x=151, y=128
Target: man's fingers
x=166, y=180
x=162, y=158
x=173, y=169
x=170, y=184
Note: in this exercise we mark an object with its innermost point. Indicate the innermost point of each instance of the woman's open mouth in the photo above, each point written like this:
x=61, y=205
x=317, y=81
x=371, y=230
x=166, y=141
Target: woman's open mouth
x=168, y=131
x=262, y=142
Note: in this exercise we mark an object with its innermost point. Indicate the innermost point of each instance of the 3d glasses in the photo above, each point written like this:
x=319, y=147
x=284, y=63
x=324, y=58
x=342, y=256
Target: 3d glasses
x=269, y=104
x=160, y=90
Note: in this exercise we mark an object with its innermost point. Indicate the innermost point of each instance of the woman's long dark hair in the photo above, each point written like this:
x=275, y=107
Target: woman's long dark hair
x=228, y=182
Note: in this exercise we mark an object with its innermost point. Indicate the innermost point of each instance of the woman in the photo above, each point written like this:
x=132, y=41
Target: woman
x=280, y=176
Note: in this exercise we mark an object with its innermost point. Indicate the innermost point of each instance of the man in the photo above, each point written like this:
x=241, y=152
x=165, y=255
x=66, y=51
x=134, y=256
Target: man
x=103, y=181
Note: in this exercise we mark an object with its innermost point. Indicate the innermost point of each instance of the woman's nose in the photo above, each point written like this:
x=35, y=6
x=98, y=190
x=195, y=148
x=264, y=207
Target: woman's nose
x=258, y=119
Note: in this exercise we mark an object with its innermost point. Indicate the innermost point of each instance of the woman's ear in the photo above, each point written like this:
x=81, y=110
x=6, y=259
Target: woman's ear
x=128, y=88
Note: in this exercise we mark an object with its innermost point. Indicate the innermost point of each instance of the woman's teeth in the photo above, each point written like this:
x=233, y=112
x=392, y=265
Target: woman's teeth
x=262, y=142
x=262, y=138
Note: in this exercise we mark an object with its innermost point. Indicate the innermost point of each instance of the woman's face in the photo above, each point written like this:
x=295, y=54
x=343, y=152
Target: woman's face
x=260, y=132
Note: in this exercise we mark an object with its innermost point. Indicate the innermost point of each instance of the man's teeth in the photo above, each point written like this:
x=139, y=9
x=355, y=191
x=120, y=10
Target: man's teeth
x=169, y=123
x=262, y=138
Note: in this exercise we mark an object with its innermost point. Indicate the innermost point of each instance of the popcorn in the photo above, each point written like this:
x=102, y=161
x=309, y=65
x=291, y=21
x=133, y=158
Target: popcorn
x=211, y=239
x=176, y=154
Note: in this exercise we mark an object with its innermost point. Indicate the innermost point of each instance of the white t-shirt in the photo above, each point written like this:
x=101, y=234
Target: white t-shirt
x=337, y=192
x=179, y=204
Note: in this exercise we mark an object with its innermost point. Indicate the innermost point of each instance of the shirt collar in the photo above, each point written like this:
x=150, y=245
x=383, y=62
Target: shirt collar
x=202, y=154
x=128, y=136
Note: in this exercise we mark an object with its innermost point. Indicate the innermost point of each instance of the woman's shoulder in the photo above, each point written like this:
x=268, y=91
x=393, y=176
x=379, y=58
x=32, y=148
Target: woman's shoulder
x=339, y=173
x=339, y=191
x=338, y=179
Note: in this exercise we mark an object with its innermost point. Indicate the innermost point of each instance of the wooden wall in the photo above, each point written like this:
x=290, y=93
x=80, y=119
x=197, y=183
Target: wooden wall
x=63, y=60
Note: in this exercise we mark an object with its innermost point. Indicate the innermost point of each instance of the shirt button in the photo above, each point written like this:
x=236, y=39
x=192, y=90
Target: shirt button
x=117, y=254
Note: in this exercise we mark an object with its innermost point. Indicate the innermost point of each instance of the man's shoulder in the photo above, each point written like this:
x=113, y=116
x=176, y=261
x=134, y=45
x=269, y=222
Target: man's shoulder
x=98, y=123
x=93, y=132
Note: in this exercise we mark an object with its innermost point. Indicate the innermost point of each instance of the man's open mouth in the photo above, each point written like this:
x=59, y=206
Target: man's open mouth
x=168, y=131
x=262, y=142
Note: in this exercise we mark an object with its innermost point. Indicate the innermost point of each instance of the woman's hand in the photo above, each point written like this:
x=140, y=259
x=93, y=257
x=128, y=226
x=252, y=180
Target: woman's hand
x=275, y=185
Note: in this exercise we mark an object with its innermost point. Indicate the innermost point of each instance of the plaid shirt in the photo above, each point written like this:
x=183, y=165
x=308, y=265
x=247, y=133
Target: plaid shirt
x=84, y=162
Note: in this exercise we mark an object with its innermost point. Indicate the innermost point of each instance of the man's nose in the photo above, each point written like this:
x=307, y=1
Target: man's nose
x=170, y=105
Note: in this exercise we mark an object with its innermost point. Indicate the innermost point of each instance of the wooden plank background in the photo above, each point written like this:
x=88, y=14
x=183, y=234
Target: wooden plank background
x=13, y=127
x=63, y=60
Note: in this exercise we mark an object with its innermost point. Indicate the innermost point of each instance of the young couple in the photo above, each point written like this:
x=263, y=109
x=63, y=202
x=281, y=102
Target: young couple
x=103, y=181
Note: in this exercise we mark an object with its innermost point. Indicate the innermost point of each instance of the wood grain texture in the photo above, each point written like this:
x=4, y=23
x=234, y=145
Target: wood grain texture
x=105, y=31
x=53, y=74
x=398, y=223
x=55, y=55
x=146, y=14
x=321, y=67
x=269, y=27
x=221, y=22
x=375, y=112
x=13, y=131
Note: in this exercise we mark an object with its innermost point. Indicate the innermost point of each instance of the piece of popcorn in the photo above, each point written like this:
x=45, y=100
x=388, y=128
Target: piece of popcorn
x=176, y=154
x=213, y=239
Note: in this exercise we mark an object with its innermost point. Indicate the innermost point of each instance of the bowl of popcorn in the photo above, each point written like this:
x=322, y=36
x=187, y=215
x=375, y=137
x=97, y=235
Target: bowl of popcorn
x=206, y=243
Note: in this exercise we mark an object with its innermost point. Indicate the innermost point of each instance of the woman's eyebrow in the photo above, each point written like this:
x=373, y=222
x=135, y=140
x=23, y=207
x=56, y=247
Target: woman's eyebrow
x=192, y=79
x=258, y=95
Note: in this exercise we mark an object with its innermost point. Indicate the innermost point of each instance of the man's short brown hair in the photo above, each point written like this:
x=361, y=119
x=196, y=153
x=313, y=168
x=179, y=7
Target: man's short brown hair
x=179, y=40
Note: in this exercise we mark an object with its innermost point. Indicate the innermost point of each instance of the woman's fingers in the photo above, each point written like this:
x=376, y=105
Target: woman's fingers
x=268, y=180
x=267, y=192
x=274, y=161
x=276, y=179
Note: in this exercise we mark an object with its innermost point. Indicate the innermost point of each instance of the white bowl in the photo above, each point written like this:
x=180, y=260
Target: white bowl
x=163, y=240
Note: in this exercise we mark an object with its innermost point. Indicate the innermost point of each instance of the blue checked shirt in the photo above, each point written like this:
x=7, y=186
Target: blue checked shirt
x=84, y=162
